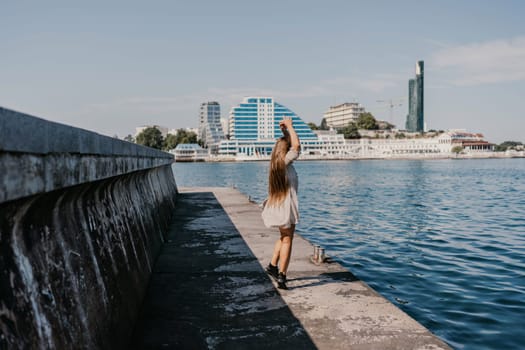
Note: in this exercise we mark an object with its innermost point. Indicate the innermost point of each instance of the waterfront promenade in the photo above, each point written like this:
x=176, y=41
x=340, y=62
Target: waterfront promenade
x=209, y=290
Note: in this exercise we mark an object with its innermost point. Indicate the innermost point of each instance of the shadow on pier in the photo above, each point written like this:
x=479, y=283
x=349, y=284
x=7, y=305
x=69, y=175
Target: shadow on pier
x=208, y=290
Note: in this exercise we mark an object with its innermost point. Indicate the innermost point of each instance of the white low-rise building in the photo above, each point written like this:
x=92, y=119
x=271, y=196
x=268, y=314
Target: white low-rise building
x=254, y=128
x=330, y=145
x=339, y=116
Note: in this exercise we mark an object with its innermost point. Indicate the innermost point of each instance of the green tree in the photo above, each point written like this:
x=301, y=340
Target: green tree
x=170, y=142
x=502, y=147
x=384, y=125
x=400, y=135
x=184, y=136
x=324, y=125
x=313, y=126
x=457, y=150
x=150, y=137
x=129, y=138
x=350, y=131
x=191, y=137
x=367, y=121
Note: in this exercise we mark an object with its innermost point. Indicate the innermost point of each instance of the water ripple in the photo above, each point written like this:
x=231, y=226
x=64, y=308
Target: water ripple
x=443, y=240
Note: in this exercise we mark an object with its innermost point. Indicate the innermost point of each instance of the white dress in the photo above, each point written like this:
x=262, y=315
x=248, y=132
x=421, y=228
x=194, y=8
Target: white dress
x=287, y=213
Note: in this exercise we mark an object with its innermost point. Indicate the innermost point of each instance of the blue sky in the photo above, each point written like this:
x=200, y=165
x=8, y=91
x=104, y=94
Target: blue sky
x=112, y=66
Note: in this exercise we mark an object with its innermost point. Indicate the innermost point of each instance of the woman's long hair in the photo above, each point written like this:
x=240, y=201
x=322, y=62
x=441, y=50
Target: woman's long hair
x=278, y=181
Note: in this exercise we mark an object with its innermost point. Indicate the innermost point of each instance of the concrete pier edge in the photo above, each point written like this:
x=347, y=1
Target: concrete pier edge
x=209, y=289
x=348, y=309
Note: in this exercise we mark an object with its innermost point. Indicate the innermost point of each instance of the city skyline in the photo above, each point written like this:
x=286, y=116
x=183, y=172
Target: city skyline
x=111, y=68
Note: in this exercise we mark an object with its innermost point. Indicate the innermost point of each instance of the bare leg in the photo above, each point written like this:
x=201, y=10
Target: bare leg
x=276, y=252
x=286, y=247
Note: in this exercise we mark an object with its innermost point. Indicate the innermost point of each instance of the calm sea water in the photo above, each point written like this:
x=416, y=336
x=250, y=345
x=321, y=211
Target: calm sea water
x=442, y=239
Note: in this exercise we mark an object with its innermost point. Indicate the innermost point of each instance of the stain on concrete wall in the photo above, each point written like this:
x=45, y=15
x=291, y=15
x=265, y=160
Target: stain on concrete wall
x=75, y=262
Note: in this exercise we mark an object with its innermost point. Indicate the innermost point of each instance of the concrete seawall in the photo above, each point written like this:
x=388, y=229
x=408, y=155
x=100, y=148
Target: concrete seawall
x=82, y=219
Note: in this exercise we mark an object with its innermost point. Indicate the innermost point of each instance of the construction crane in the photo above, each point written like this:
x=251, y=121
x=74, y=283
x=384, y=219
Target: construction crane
x=391, y=104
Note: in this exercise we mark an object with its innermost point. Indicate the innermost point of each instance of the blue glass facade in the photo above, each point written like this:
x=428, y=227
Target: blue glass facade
x=415, y=119
x=257, y=119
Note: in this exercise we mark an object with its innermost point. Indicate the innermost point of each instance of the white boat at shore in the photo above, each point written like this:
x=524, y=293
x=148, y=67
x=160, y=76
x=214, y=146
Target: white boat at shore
x=190, y=152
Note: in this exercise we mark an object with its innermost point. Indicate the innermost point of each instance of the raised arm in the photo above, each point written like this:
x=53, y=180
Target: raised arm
x=288, y=130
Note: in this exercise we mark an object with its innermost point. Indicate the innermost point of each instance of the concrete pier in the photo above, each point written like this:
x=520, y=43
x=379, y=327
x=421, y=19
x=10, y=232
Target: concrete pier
x=209, y=290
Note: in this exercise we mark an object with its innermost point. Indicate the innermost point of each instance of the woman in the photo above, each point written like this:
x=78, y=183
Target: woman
x=281, y=209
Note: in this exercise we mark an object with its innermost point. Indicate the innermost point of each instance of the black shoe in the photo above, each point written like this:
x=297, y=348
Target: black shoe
x=272, y=271
x=281, y=281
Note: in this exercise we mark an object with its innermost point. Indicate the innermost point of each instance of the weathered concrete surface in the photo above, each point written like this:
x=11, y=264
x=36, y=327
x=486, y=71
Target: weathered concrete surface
x=209, y=290
x=38, y=156
x=75, y=262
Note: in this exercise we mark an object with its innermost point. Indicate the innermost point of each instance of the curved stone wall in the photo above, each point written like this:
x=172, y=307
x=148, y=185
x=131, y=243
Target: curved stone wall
x=75, y=257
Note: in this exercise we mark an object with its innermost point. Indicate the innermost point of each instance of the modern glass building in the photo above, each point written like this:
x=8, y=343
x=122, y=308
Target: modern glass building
x=254, y=127
x=210, y=127
x=415, y=119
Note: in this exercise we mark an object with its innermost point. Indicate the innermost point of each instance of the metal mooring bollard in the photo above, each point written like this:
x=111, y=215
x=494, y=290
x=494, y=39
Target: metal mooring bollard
x=316, y=253
x=321, y=256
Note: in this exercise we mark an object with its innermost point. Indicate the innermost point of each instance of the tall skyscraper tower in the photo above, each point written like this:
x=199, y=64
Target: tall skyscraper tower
x=210, y=127
x=415, y=118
